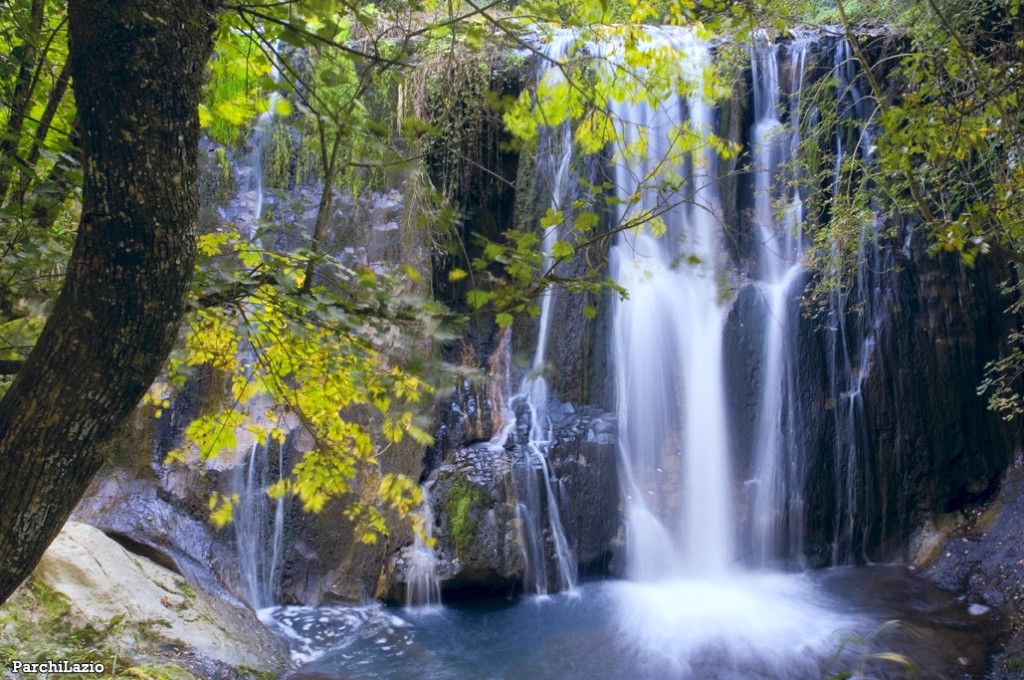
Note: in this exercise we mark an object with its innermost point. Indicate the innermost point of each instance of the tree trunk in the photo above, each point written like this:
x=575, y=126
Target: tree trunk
x=137, y=69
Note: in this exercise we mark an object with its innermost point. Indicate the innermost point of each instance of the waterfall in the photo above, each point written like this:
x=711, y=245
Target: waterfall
x=259, y=523
x=778, y=507
x=423, y=588
x=850, y=349
x=667, y=342
x=526, y=419
x=258, y=519
x=252, y=166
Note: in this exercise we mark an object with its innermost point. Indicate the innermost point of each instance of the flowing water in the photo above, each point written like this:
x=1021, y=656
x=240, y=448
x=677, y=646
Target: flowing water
x=852, y=337
x=423, y=588
x=700, y=601
x=778, y=506
x=667, y=345
x=259, y=523
x=526, y=416
x=258, y=519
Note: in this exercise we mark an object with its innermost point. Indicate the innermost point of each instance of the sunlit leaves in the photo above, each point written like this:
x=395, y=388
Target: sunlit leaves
x=562, y=250
x=400, y=492
x=211, y=435
x=310, y=358
x=605, y=69
x=234, y=93
x=552, y=218
x=222, y=508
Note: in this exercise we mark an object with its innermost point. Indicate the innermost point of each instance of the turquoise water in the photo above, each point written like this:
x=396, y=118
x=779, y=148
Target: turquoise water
x=750, y=625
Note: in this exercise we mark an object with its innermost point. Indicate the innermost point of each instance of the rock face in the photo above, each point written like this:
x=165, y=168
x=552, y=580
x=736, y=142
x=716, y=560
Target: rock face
x=134, y=510
x=886, y=420
x=103, y=580
x=888, y=428
x=480, y=491
x=978, y=552
x=161, y=510
x=884, y=426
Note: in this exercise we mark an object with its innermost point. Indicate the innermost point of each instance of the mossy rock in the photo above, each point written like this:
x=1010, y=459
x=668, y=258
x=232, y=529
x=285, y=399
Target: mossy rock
x=463, y=497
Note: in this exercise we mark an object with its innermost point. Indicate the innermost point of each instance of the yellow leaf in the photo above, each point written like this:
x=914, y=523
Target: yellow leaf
x=282, y=107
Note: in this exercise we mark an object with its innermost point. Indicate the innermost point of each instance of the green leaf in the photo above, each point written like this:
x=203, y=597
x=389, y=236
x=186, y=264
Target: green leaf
x=333, y=78
x=504, y=320
x=562, y=250
x=478, y=298
x=552, y=218
x=585, y=221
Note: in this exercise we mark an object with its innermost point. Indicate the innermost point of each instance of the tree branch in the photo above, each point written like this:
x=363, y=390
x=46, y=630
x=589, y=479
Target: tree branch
x=11, y=366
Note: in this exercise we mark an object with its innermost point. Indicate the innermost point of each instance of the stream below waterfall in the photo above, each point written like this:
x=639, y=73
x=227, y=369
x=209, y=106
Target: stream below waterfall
x=744, y=625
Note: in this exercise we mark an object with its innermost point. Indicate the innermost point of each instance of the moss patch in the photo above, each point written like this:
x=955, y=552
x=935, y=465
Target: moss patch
x=462, y=496
x=35, y=627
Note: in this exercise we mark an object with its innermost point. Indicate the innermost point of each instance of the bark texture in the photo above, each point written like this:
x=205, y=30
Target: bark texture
x=137, y=69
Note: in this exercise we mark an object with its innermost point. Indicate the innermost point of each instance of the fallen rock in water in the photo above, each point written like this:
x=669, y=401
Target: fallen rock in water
x=102, y=580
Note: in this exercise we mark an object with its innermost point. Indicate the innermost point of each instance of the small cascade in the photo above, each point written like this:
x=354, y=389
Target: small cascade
x=667, y=342
x=259, y=523
x=251, y=168
x=778, y=507
x=258, y=519
x=527, y=419
x=422, y=585
x=851, y=347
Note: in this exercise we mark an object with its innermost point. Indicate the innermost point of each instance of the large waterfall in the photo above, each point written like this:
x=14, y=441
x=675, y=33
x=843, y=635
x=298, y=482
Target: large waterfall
x=717, y=492
x=778, y=506
x=668, y=347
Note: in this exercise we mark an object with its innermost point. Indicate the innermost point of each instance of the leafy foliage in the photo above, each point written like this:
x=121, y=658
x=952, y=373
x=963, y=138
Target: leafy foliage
x=38, y=169
x=308, y=339
x=309, y=358
x=947, y=148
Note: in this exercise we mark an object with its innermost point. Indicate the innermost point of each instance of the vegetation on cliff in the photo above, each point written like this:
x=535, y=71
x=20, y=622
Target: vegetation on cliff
x=333, y=340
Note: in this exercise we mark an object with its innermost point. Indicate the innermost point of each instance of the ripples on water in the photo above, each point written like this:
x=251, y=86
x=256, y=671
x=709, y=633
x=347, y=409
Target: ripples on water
x=764, y=626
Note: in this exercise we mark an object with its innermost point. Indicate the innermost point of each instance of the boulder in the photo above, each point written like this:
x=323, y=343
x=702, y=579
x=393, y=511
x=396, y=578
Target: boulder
x=103, y=580
x=481, y=492
x=977, y=552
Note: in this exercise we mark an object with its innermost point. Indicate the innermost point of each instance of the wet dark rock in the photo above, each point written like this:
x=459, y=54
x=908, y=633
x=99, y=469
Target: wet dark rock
x=981, y=556
x=743, y=362
x=926, y=445
x=585, y=463
x=478, y=489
